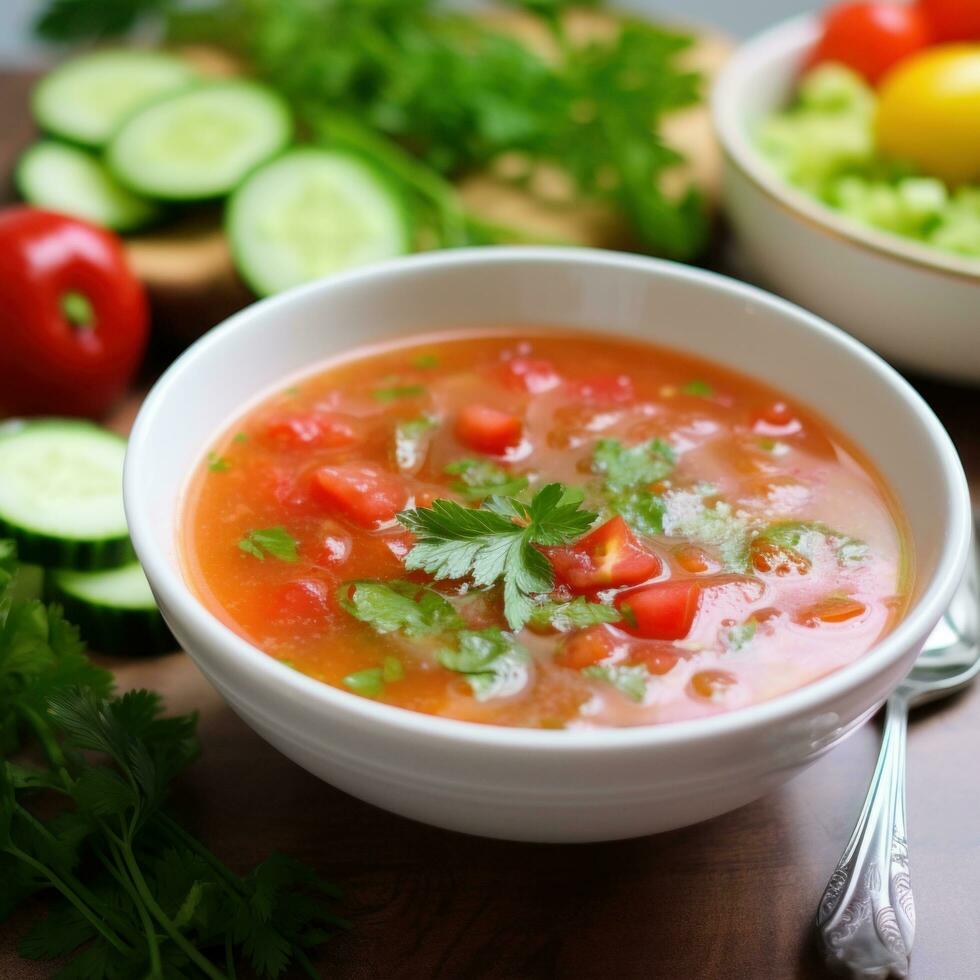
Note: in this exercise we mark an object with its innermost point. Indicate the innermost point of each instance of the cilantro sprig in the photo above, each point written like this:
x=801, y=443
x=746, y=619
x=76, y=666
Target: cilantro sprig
x=85, y=831
x=496, y=543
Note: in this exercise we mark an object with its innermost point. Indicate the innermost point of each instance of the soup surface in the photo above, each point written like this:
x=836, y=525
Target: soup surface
x=549, y=530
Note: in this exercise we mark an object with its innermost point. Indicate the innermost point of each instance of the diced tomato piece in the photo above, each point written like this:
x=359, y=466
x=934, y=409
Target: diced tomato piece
x=531, y=375
x=587, y=647
x=488, y=430
x=399, y=544
x=770, y=559
x=833, y=609
x=709, y=684
x=777, y=419
x=305, y=600
x=652, y=656
x=319, y=429
x=607, y=388
x=694, y=559
x=366, y=495
x=607, y=557
x=662, y=611
x=333, y=546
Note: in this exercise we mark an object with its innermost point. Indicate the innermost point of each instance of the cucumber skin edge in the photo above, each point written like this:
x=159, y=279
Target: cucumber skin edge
x=80, y=556
x=117, y=632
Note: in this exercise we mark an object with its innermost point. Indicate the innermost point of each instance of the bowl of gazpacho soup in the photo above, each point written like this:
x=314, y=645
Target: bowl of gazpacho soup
x=545, y=544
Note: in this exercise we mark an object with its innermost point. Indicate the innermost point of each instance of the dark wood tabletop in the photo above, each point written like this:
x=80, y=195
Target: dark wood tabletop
x=730, y=898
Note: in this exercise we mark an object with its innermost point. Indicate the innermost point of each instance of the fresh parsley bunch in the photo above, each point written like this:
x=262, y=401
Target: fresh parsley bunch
x=131, y=892
x=431, y=96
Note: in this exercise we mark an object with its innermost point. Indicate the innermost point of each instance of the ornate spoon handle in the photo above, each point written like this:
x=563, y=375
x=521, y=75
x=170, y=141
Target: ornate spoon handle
x=866, y=918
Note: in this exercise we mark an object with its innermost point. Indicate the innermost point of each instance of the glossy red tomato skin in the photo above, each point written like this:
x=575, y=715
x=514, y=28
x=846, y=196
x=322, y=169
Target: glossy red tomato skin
x=49, y=366
x=366, y=495
x=488, y=430
x=299, y=430
x=608, y=557
x=871, y=38
x=952, y=20
x=661, y=611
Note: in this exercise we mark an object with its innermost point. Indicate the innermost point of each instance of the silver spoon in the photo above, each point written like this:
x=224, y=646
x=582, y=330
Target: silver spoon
x=866, y=918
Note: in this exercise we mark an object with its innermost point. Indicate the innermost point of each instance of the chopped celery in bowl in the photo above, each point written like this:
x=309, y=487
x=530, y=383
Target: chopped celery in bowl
x=824, y=144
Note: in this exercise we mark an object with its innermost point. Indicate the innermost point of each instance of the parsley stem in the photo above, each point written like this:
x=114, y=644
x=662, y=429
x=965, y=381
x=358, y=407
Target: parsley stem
x=230, y=957
x=188, y=948
x=49, y=744
x=92, y=901
x=116, y=868
x=62, y=886
x=189, y=840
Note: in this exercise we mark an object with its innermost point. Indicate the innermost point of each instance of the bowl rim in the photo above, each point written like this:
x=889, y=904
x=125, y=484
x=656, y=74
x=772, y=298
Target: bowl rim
x=791, y=37
x=176, y=595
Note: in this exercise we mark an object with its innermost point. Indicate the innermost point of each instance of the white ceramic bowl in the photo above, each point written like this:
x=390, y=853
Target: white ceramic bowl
x=518, y=783
x=914, y=304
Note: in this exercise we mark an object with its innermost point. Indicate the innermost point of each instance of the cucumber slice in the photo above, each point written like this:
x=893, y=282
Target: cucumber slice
x=201, y=142
x=114, y=610
x=87, y=98
x=61, y=493
x=311, y=213
x=74, y=181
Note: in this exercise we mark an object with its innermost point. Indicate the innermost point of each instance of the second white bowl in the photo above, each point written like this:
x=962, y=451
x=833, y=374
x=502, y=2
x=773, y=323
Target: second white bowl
x=914, y=304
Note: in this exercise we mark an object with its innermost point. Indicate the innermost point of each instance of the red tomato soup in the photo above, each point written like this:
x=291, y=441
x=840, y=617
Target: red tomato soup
x=555, y=530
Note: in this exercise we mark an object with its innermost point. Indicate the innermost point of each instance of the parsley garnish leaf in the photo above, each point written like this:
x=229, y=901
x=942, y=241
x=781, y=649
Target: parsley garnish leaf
x=739, y=636
x=480, y=478
x=406, y=607
x=496, y=543
x=217, y=464
x=396, y=392
x=805, y=537
x=626, y=467
x=275, y=541
x=494, y=663
x=573, y=615
x=700, y=388
x=630, y=680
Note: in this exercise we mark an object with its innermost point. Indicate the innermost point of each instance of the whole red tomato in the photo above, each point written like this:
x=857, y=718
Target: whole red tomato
x=953, y=20
x=871, y=37
x=73, y=317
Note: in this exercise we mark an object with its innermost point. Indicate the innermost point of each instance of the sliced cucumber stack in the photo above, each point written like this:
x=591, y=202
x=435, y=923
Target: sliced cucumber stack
x=87, y=98
x=114, y=610
x=66, y=178
x=311, y=213
x=61, y=494
x=201, y=142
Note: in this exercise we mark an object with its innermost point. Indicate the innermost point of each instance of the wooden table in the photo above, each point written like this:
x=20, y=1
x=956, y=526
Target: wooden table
x=731, y=898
